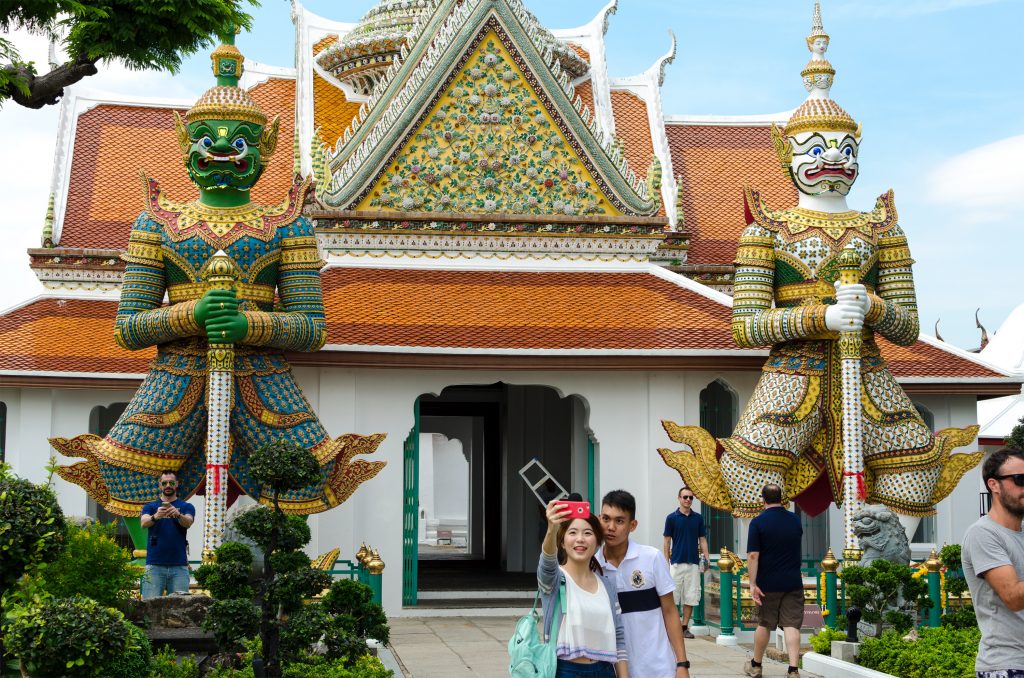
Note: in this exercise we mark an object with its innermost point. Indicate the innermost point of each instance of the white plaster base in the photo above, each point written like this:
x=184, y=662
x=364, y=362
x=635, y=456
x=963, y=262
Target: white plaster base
x=835, y=668
x=700, y=630
x=727, y=640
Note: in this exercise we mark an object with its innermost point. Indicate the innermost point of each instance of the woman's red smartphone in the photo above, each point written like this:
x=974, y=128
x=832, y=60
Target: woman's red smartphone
x=579, y=509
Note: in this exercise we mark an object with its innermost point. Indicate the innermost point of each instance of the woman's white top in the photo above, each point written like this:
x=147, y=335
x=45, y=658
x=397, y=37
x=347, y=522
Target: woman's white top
x=587, y=628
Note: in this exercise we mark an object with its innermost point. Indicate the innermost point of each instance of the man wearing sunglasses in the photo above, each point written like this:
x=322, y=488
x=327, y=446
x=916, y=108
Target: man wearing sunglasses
x=167, y=519
x=686, y=549
x=993, y=559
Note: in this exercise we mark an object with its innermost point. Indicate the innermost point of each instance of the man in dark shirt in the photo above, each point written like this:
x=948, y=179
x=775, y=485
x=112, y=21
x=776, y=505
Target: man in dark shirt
x=167, y=520
x=773, y=565
x=686, y=549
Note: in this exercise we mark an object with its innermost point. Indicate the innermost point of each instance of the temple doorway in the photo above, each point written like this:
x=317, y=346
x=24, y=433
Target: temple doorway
x=470, y=522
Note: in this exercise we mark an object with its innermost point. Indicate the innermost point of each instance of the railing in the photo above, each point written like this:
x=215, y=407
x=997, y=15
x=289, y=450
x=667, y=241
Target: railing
x=368, y=568
x=735, y=608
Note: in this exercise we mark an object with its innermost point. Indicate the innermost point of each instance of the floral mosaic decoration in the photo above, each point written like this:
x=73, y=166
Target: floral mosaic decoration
x=489, y=146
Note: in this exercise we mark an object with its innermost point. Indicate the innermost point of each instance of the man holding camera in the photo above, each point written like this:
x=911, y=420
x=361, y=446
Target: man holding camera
x=167, y=519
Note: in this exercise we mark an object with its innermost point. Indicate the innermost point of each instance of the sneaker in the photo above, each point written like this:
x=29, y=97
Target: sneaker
x=687, y=634
x=793, y=674
x=751, y=670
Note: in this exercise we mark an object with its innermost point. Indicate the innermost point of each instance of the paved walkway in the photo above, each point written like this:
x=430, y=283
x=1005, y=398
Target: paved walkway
x=443, y=647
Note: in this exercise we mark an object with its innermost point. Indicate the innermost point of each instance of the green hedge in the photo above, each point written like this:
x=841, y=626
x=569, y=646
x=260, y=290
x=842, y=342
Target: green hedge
x=938, y=653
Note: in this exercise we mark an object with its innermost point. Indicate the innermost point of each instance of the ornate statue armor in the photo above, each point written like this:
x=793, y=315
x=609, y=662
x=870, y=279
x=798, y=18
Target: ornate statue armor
x=275, y=305
x=785, y=285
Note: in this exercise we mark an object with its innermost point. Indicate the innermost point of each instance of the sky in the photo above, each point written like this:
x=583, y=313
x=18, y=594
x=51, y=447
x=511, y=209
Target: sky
x=935, y=83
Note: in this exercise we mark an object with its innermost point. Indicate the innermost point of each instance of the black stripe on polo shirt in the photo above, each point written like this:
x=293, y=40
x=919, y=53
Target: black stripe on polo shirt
x=639, y=601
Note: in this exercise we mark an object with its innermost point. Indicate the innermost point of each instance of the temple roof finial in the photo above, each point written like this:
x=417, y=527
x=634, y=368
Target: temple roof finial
x=819, y=111
x=817, y=31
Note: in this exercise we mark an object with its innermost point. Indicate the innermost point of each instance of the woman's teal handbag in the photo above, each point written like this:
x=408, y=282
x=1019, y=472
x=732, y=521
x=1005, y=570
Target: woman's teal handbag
x=529, y=656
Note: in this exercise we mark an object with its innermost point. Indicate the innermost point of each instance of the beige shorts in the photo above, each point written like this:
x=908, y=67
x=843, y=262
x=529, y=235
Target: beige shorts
x=687, y=580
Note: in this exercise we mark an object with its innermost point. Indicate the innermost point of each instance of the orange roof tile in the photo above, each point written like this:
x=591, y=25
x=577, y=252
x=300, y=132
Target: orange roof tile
x=633, y=127
x=332, y=111
x=519, y=310
x=580, y=52
x=324, y=43
x=715, y=162
x=922, y=359
x=66, y=335
x=104, y=194
x=453, y=310
x=585, y=90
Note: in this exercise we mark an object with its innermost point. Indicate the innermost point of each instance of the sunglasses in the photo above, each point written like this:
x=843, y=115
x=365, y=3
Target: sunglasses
x=1018, y=478
x=165, y=483
x=687, y=497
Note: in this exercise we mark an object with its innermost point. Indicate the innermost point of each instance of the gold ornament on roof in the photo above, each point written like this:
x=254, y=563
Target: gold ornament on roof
x=226, y=100
x=818, y=113
x=817, y=29
x=226, y=103
x=821, y=115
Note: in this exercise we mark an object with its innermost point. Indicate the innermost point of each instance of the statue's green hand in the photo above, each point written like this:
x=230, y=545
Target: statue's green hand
x=214, y=302
x=227, y=329
x=218, y=313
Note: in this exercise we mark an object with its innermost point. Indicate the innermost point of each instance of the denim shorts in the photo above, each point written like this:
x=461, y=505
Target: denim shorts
x=567, y=669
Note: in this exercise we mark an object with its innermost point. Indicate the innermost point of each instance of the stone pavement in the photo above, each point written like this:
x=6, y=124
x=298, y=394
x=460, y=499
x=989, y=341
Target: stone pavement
x=442, y=647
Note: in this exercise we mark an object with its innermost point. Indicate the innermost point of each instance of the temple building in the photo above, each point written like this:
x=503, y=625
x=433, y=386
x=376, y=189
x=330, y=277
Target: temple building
x=524, y=259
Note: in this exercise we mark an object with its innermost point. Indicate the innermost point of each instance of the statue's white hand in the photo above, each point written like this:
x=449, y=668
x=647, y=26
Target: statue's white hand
x=856, y=292
x=847, y=314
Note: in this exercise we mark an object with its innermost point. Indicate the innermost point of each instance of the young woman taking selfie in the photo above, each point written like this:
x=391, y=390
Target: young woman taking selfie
x=590, y=638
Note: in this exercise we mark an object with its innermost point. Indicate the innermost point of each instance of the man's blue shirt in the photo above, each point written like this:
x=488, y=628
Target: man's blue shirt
x=775, y=535
x=684, y=531
x=166, y=544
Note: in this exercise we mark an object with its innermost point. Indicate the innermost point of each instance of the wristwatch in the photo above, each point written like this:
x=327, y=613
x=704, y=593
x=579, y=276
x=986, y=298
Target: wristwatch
x=683, y=665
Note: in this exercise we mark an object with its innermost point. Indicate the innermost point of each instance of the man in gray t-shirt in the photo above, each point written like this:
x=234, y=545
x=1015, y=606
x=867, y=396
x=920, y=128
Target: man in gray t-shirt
x=993, y=558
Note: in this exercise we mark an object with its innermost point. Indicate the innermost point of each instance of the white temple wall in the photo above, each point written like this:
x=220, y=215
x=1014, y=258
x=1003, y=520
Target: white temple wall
x=623, y=410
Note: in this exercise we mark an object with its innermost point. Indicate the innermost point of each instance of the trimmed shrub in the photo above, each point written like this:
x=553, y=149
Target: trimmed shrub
x=937, y=653
x=165, y=665
x=92, y=565
x=137, y=659
x=32, y=526
x=822, y=640
x=66, y=637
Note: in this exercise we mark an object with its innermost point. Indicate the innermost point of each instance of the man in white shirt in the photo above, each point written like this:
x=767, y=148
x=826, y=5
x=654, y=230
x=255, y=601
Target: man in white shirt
x=654, y=637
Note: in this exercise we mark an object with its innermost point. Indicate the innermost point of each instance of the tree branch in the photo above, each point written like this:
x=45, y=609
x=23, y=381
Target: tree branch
x=47, y=89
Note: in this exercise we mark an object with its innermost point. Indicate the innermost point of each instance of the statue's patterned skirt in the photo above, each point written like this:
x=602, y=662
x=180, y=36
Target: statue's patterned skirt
x=791, y=431
x=164, y=427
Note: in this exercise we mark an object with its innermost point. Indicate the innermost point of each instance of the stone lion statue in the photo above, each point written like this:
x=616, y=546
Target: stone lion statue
x=881, y=536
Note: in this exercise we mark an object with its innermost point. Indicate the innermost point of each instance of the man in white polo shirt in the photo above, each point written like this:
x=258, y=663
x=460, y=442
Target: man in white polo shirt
x=654, y=637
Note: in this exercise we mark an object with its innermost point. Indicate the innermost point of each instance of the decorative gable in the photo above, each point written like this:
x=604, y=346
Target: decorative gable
x=490, y=144
x=446, y=55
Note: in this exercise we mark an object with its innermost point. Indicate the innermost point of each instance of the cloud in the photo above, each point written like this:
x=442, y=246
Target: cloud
x=983, y=182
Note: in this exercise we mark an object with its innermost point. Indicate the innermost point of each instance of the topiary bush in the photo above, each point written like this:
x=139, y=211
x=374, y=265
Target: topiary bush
x=887, y=593
x=92, y=565
x=288, y=626
x=32, y=526
x=137, y=659
x=352, y=603
x=166, y=665
x=822, y=640
x=937, y=653
x=66, y=637
x=960, y=618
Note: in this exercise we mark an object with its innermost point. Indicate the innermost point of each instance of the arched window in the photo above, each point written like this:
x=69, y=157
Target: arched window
x=925, y=533
x=718, y=411
x=101, y=420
